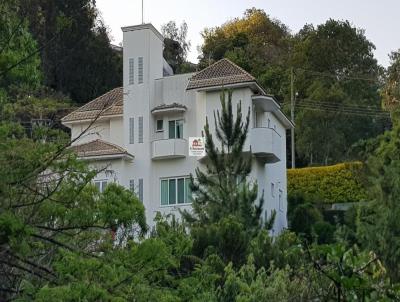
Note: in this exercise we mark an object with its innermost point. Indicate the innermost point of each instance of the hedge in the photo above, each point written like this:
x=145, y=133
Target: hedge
x=329, y=184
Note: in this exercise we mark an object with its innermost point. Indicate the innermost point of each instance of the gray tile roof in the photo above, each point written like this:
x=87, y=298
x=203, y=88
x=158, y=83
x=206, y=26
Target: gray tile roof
x=98, y=148
x=110, y=103
x=177, y=106
x=223, y=72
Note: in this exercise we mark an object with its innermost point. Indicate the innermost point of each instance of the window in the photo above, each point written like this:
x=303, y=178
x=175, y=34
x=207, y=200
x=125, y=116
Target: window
x=280, y=198
x=131, y=130
x=100, y=185
x=140, y=129
x=175, y=191
x=132, y=185
x=269, y=123
x=159, y=125
x=175, y=129
x=131, y=71
x=140, y=70
x=140, y=189
x=272, y=189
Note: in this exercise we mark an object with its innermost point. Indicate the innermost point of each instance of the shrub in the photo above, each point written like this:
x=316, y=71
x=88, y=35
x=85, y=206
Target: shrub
x=330, y=184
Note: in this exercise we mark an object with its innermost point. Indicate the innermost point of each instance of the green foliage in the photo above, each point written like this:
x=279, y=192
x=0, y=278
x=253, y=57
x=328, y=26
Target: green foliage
x=391, y=91
x=255, y=42
x=225, y=213
x=333, y=184
x=378, y=221
x=17, y=74
x=54, y=226
x=176, y=47
x=351, y=274
x=327, y=59
x=77, y=58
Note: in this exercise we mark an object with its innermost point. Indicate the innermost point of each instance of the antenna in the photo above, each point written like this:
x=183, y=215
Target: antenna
x=142, y=12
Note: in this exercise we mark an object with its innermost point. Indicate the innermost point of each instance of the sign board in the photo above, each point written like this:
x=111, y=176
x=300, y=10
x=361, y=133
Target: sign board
x=197, y=146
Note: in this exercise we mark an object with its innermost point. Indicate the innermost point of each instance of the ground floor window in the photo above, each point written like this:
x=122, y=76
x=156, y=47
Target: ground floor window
x=175, y=191
x=100, y=185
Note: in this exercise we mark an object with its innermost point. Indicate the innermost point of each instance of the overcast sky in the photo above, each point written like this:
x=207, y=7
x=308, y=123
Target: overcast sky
x=379, y=18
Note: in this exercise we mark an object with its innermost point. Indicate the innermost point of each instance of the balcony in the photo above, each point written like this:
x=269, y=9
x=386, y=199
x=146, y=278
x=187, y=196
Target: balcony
x=266, y=144
x=169, y=148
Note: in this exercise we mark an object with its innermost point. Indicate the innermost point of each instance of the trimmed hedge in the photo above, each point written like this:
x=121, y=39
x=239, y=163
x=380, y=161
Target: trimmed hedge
x=330, y=184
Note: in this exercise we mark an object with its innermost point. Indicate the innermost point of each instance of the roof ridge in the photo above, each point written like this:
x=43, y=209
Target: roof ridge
x=100, y=96
x=102, y=141
x=236, y=65
x=97, y=99
x=219, y=62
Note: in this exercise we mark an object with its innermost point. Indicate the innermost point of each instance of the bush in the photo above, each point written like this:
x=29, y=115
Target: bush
x=331, y=184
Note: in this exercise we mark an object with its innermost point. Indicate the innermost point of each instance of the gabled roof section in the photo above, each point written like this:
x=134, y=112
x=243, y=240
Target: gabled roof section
x=99, y=148
x=108, y=104
x=223, y=72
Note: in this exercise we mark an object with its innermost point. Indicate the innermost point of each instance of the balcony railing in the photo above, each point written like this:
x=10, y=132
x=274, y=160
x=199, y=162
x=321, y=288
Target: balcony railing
x=169, y=148
x=266, y=144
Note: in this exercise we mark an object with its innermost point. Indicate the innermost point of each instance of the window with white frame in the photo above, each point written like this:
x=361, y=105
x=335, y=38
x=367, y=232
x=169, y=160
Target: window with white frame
x=140, y=70
x=131, y=71
x=175, y=191
x=100, y=185
x=280, y=199
x=175, y=129
x=159, y=125
x=272, y=189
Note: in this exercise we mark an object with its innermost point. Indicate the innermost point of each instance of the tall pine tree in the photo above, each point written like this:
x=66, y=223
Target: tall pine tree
x=226, y=211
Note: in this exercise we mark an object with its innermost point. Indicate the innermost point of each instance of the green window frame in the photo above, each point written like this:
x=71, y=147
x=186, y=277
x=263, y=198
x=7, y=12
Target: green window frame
x=175, y=129
x=175, y=190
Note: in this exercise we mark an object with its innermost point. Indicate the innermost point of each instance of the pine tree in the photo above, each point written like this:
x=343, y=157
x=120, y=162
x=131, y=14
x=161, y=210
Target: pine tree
x=225, y=207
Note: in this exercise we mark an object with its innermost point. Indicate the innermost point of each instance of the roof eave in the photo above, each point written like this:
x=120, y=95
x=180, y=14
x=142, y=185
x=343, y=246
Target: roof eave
x=78, y=121
x=168, y=110
x=252, y=84
x=126, y=156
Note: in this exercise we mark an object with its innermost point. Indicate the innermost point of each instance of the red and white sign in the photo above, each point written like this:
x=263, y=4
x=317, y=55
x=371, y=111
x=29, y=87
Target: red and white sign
x=197, y=146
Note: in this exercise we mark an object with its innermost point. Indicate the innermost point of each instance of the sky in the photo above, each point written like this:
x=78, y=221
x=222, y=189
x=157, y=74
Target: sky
x=380, y=19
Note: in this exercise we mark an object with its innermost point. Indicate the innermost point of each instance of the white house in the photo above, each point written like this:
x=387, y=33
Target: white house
x=141, y=130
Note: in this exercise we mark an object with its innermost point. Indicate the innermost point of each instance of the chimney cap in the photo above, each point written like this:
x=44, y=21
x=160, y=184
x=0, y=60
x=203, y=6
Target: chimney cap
x=144, y=26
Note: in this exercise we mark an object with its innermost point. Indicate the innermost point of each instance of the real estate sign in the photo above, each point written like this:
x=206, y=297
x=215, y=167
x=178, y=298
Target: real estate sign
x=197, y=146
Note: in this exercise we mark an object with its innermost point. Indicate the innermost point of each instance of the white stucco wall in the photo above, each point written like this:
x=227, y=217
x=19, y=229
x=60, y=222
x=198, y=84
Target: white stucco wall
x=139, y=99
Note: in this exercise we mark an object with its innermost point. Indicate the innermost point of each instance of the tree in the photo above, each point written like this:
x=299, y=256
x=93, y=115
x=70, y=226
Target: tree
x=226, y=214
x=19, y=62
x=51, y=219
x=334, y=68
x=176, y=46
x=77, y=58
x=257, y=43
x=378, y=224
x=391, y=91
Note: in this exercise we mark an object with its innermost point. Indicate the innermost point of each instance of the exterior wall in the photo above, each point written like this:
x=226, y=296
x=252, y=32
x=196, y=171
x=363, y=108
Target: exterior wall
x=139, y=99
x=110, y=130
x=99, y=130
x=276, y=174
x=117, y=131
x=111, y=170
